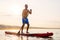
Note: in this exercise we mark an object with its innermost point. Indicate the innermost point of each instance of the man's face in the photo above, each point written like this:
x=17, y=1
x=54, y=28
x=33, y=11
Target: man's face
x=26, y=6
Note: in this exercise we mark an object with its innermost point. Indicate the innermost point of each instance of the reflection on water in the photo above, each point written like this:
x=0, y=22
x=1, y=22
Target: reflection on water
x=22, y=38
x=14, y=37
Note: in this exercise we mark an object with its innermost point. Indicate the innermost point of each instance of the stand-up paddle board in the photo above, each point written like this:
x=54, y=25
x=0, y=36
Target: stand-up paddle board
x=48, y=34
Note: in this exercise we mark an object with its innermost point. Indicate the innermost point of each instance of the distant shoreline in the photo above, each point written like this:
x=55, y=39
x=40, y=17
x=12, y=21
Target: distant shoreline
x=9, y=27
x=17, y=28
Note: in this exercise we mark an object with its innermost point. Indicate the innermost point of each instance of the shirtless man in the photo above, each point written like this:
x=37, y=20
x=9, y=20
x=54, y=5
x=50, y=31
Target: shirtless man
x=25, y=14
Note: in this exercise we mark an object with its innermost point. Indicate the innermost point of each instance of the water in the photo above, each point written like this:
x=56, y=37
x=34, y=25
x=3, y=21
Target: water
x=56, y=35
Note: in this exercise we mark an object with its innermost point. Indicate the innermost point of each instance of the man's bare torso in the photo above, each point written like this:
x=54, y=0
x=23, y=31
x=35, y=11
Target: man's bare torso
x=25, y=13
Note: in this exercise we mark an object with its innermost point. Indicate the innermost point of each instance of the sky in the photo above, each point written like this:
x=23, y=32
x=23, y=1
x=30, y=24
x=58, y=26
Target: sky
x=45, y=13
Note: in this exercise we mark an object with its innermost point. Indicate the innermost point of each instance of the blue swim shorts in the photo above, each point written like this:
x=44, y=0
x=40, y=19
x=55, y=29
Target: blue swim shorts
x=25, y=20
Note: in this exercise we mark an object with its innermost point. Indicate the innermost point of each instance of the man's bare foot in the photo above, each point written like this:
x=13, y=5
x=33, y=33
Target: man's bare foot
x=22, y=32
x=27, y=32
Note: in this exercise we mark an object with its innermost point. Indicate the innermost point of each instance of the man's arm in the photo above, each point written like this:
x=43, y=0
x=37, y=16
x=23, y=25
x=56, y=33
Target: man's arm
x=30, y=11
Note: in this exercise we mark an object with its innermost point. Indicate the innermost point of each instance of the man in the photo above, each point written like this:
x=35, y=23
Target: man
x=25, y=14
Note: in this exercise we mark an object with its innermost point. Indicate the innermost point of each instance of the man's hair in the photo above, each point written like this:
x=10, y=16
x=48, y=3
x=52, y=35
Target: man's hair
x=26, y=5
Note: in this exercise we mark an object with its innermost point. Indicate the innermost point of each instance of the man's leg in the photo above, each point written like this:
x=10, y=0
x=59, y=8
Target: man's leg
x=27, y=28
x=22, y=28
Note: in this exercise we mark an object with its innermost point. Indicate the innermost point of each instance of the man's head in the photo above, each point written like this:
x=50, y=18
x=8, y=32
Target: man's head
x=26, y=6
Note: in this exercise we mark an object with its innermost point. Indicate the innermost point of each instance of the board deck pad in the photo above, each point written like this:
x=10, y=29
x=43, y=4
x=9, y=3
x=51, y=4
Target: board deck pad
x=48, y=34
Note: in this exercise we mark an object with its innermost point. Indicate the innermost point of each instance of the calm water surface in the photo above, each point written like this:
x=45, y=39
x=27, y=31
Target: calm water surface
x=56, y=35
